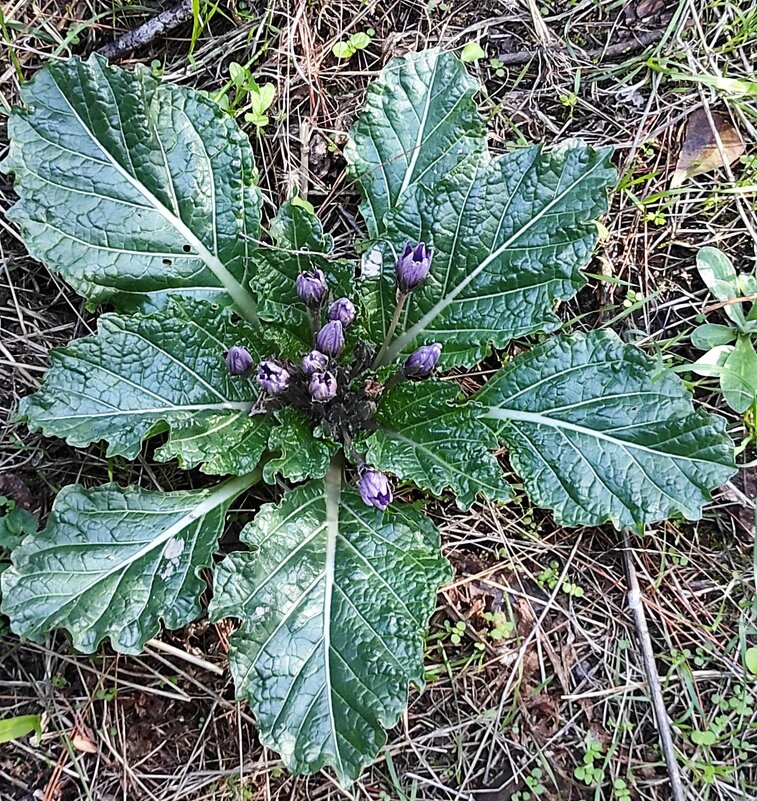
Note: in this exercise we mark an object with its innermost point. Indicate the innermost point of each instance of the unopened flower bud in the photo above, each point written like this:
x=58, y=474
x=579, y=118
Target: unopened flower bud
x=311, y=286
x=272, y=377
x=314, y=362
x=412, y=267
x=342, y=310
x=374, y=488
x=330, y=339
x=421, y=362
x=322, y=386
x=238, y=360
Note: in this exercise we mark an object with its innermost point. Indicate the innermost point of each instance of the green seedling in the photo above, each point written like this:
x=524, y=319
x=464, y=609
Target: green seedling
x=574, y=590
x=534, y=786
x=621, y=790
x=632, y=298
x=588, y=772
x=347, y=48
x=106, y=694
x=455, y=631
x=570, y=99
x=243, y=91
x=501, y=627
x=549, y=576
x=729, y=348
x=655, y=217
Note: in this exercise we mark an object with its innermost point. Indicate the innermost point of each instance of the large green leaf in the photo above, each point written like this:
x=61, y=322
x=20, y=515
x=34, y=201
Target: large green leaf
x=113, y=562
x=599, y=431
x=298, y=454
x=418, y=122
x=428, y=437
x=299, y=244
x=510, y=236
x=334, y=604
x=139, y=374
x=133, y=190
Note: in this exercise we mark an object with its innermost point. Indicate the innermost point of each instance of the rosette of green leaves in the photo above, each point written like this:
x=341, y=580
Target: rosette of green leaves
x=144, y=196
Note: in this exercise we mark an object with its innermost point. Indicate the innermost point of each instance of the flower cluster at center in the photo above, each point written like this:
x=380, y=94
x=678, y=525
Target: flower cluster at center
x=325, y=388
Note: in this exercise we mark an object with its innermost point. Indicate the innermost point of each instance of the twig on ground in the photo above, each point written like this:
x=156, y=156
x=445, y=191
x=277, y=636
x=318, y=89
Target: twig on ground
x=722, y=304
x=187, y=657
x=636, y=605
x=638, y=42
x=161, y=23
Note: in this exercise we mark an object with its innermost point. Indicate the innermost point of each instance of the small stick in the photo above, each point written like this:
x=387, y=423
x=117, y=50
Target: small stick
x=161, y=23
x=635, y=603
x=179, y=654
x=638, y=42
x=716, y=306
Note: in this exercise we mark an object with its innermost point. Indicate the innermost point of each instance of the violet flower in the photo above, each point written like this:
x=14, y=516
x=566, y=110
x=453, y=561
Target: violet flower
x=272, y=377
x=330, y=339
x=311, y=286
x=374, y=488
x=342, y=310
x=421, y=362
x=238, y=360
x=412, y=267
x=322, y=386
x=314, y=362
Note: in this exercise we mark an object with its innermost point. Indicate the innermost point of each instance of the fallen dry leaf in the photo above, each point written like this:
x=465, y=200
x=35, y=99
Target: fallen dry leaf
x=700, y=152
x=83, y=743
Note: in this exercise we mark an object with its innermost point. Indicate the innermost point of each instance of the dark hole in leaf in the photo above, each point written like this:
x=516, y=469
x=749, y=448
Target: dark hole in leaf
x=186, y=248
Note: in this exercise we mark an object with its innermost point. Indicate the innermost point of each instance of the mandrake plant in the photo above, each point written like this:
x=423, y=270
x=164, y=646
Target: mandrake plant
x=261, y=355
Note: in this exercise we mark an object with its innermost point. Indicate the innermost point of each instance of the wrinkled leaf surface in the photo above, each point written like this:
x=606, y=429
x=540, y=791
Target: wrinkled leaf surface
x=140, y=374
x=599, y=432
x=114, y=562
x=334, y=604
x=427, y=436
x=133, y=190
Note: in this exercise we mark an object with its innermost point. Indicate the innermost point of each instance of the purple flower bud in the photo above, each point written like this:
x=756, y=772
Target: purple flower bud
x=272, y=377
x=311, y=287
x=322, y=386
x=314, y=362
x=330, y=339
x=374, y=488
x=421, y=362
x=342, y=310
x=238, y=360
x=413, y=266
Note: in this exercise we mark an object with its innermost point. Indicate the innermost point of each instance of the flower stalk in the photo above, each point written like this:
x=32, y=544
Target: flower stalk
x=379, y=360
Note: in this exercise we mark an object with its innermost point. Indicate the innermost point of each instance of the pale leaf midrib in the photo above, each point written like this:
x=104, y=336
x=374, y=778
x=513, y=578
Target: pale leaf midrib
x=517, y=415
x=408, y=336
x=214, y=498
x=243, y=299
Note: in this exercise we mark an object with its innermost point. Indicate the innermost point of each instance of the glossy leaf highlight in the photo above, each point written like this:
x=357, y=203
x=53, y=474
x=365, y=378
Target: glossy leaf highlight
x=133, y=190
x=140, y=374
x=114, y=562
x=428, y=436
x=599, y=431
x=510, y=236
x=334, y=604
x=419, y=121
